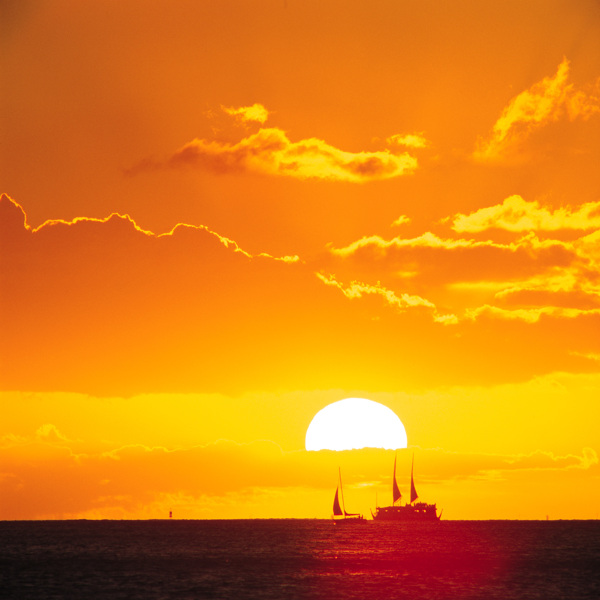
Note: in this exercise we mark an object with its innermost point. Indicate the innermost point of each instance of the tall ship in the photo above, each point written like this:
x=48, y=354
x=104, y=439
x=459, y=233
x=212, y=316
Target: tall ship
x=340, y=516
x=411, y=511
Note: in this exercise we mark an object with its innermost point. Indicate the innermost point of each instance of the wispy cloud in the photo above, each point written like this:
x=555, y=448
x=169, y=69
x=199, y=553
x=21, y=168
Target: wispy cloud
x=256, y=113
x=409, y=140
x=271, y=152
x=356, y=289
x=516, y=214
x=531, y=277
x=546, y=101
x=401, y=220
x=50, y=432
x=379, y=247
x=128, y=223
x=528, y=315
x=100, y=483
x=403, y=301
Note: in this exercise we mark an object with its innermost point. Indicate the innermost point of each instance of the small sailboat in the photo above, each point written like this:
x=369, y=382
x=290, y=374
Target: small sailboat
x=340, y=510
x=413, y=511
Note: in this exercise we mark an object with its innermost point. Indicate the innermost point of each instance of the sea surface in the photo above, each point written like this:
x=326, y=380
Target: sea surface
x=287, y=559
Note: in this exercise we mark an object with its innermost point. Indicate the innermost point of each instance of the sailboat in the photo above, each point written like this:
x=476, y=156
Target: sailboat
x=340, y=510
x=412, y=511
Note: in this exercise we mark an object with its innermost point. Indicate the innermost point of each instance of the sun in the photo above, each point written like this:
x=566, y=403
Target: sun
x=355, y=423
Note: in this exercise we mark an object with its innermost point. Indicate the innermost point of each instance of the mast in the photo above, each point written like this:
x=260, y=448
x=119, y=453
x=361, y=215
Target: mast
x=396, y=495
x=413, y=491
x=342, y=490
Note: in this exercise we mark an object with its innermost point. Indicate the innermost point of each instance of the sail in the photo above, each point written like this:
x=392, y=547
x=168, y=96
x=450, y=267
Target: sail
x=396, y=495
x=413, y=491
x=337, y=509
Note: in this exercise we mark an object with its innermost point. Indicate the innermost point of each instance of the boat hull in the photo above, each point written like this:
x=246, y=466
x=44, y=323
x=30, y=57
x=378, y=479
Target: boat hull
x=350, y=521
x=420, y=512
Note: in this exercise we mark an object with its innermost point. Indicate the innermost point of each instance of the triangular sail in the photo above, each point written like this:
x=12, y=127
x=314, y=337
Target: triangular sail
x=337, y=509
x=343, y=511
x=413, y=491
x=396, y=495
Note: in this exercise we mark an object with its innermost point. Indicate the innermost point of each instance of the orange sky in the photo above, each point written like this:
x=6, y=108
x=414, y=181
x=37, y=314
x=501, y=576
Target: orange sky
x=219, y=217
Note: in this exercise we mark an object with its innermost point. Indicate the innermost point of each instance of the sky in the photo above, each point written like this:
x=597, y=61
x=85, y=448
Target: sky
x=219, y=217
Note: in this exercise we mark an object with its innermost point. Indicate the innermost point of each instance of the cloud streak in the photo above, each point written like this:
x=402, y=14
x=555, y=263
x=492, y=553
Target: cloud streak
x=529, y=315
x=402, y=302
x=409, y=140
x=271, y=152
x=256, y=113
x=99, y=483
x=522, y=280
x=544, y=102
x=518, y=215
x=196, y=304
x=127, y=222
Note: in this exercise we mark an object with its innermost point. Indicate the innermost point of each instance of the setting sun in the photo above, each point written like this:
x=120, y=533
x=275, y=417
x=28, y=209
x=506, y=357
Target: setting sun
x=355, y=423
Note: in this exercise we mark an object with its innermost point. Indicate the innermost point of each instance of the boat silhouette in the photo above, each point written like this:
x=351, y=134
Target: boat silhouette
x=340, y=510
x=411, y=511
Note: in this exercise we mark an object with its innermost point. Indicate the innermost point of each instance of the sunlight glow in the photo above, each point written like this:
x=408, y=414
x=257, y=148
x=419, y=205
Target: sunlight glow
x=355, y=423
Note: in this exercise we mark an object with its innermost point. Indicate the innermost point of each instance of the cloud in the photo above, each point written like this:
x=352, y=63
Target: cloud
x=270, y=152
x=401, y=220
x=493, y=466
x=522, y=280
x=49, y=432
x=544, y=294
x=470, y=259
x=529, y=315
x=357, y=289
x=126, y=310
x=410, y=140
x=588, y=356
x=256, y=113
x=103, y=481
x=548, y=460
x=121, y=221
x=100, y=484
x=402, y=302
x=546, y=101
x=516, y=214
x=117, y=297
x=588, y=247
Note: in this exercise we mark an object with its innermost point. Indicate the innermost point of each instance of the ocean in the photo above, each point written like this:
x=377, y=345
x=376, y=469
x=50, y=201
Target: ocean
x=305, y=559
